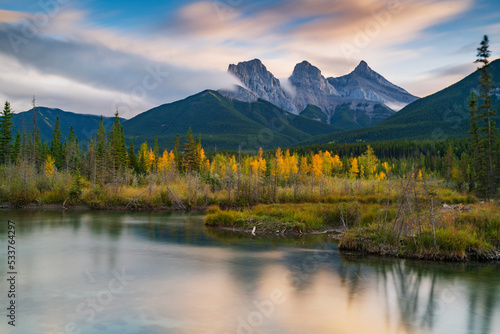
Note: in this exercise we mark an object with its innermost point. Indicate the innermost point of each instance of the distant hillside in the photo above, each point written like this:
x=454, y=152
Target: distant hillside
x=84, y=126
x=223, y=123
x=442, y=115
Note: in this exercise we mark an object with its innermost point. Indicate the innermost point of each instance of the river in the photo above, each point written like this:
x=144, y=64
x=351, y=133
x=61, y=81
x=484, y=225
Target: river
x=161, y=272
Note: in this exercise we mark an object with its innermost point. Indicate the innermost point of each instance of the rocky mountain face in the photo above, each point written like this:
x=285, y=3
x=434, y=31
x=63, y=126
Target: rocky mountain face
x=311, y=88
x=364, y=83
x=258, y=82
x=361, y=94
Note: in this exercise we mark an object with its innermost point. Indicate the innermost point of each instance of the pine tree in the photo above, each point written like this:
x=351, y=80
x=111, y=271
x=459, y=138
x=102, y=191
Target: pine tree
x=486, y=114
x=132, y=158
x=144, y=163
x=190, y=152
x=156, y=150
x=178, y=154
x=6, y=134
x=101, y=152
x=56, y=147
x=72, y=150
x=475, y=147
x=16, y=149
x=39, y=150
x=117, y=146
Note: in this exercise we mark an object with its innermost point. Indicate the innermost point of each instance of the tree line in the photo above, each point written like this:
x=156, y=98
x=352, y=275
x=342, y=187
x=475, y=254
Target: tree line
x=472, y=164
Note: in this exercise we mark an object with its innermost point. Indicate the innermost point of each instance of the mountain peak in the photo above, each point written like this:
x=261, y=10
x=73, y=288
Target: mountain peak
x=258, y=82
x=254, y=64
x=362, y=67
x=307, y=67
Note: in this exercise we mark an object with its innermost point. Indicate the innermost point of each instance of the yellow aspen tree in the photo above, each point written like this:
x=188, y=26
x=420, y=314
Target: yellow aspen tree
x=204, y=163
x=262, y=166
x=368, y=162
x=304, y=167
x=49, y=165
x=233, y=164
x=354, y=171
x=386, y=167
x=292, y=165
x=280, y=163
x=254, y=164
x=171, y=161
x=316, y=165
x=337, y=164
x=163, y=161
x=151, y=158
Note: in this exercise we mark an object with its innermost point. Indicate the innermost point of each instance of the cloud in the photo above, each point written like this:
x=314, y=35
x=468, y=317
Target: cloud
x=77, y=58
x=315, y=29
x=8, y=16
x=439, y=78
x=135, y=81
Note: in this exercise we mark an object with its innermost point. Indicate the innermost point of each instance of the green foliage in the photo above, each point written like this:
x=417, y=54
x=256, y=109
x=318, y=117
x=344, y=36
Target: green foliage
x=488, y=153
x=117, y=146
x=190, y=153
x=56, y=146
x=132, y=158
x=224, y=123
x=85, y=125
x=6, y=134
x=75, y=191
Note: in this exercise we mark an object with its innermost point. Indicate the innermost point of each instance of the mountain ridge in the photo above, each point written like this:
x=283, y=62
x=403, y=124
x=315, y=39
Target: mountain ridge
x=444, y=114
x=362, y=87
x=84, y=125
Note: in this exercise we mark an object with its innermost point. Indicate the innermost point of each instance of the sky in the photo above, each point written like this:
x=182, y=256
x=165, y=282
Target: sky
x=97, y=57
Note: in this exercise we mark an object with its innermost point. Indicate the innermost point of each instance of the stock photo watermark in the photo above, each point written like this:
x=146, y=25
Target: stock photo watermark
x=364, y=34
x=32, y=26
x=11, y=273
x=87, y=311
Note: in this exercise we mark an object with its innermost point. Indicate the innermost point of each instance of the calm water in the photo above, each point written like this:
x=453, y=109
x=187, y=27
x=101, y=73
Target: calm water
x=102, y=272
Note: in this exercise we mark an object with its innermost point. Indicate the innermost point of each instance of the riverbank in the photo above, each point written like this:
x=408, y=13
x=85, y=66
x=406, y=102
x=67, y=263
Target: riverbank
x=456, y=232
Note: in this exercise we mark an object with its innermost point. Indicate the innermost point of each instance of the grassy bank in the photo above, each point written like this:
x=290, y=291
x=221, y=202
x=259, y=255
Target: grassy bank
x=458, y=235
x=459, y=232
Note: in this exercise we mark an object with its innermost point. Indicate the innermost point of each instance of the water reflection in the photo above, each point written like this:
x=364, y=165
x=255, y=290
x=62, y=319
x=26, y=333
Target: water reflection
x=189, y=279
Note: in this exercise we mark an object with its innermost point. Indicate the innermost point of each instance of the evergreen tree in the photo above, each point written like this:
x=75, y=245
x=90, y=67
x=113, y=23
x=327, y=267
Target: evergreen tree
x=39, y=150
x=486, y=115
x=101, y=152
x=156, y=151
x=178, y=154
x=6, y=134
x=475, y=148
x=132, y=158
x=190, y=152
x=16, y=149
x=24, y=146
x=56, y=146
x=144, y=163
x=71, y=136
x=72, y=150
x=118, y=149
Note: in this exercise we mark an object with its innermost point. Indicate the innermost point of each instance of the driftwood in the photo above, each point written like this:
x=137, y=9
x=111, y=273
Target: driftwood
x=456, y=207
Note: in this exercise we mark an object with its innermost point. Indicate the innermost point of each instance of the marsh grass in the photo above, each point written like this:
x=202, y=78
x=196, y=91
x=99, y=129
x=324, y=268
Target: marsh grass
x=459, y=236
